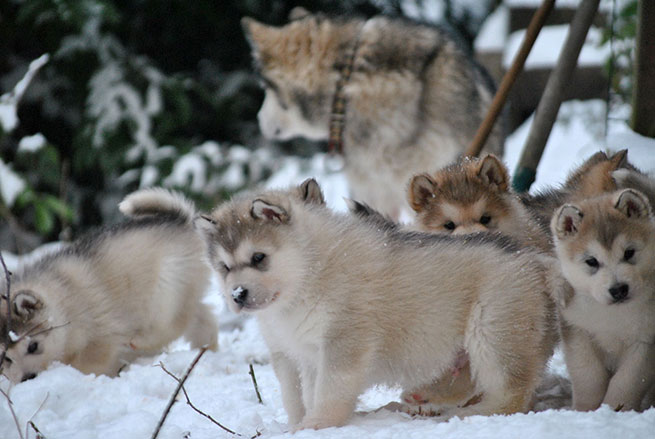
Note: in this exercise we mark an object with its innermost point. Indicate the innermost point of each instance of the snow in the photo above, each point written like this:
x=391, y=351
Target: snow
x=569, y=4
x=492, y=35
x=11, y=184
x=64, y=403
x=548, y=45
x=32, y=143
x=9, y=101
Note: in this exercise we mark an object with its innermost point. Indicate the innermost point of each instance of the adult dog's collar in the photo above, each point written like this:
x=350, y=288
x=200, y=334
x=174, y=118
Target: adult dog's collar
x=339, y=101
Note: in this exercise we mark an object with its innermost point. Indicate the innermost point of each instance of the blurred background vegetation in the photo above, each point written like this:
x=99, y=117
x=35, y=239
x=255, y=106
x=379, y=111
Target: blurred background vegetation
x=137, y=93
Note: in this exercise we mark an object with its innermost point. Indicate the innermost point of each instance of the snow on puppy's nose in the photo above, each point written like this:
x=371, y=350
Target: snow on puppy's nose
x=239, y=295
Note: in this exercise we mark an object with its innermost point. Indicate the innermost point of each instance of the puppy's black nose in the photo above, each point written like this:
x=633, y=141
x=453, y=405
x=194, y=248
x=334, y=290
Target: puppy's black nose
x=619, y=292
x=28, y=376
x=239, y=295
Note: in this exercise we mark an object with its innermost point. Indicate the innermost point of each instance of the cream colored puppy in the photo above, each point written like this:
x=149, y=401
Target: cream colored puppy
x=344, y=304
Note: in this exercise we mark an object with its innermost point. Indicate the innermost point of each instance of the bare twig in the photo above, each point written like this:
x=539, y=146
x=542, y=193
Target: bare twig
x=48, y=329
x=177, y=390
x=7, y=326
x=13, y=413
x=188, y=401
x=254, y=382
x=30, y=423
x=39, y=435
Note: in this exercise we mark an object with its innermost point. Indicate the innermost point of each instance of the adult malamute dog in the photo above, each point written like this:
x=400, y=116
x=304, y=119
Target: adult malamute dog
x=115, y=294
x=410, y=98
x=344, y=303
x=606, y=247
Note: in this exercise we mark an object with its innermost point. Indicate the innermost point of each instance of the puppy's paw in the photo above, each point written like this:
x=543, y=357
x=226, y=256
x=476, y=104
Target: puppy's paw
x=413, y=409
x=415, y=397
x=315, y=424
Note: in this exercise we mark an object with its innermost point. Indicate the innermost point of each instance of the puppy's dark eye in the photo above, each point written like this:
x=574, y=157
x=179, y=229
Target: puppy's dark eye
x=449, y=225
x=592, y=262
x=257, y=258
x=32, y=347
x=484, y=219
x=8, y=360
x=225, y=267
x=628, y=254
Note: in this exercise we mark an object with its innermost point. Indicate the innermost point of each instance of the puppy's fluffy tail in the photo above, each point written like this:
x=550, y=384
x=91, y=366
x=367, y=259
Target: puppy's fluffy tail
x=158, y=201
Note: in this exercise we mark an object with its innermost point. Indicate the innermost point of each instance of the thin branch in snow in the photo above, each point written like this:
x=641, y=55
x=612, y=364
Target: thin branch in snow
x=188, y=401
x=7, y=296
x=39, y=435
x=180, y=383
x=13, y=413
x=30, y=423
x=254, y=382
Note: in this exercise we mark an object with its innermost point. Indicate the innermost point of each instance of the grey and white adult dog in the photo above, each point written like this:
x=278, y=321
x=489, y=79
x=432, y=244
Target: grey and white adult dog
x=115, y=294
x=345, y=303
x=412, y=97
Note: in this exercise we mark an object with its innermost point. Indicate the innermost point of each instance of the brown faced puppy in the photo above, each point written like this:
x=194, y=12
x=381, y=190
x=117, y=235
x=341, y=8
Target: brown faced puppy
x=606, y=248
x=593, y=177
x=471, y=196
x=344, y=304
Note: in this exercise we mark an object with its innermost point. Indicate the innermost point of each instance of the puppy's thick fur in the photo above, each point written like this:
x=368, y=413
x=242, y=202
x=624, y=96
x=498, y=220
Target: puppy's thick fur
x=344, y=304
x=114, y=294
x=593, y=177
x=414, y=99
x=606, y=247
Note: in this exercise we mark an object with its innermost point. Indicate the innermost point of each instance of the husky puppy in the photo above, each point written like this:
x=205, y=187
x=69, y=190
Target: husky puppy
x=411, y=97
x=593, y=177
x=471, y=196
x=635, y=179
x=114, y=294
x=606, y=248
x=344, y=304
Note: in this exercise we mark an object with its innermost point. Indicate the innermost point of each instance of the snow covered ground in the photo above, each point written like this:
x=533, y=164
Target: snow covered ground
x=63, y=403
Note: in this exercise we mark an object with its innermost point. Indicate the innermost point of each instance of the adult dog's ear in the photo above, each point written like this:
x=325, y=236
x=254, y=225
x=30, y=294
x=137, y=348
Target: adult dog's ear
x=566, y=221
x=632, y=204
x=266, y=211
x=261, y=37
x=422, y=189
x=26, y=304
x=298, y=13
x=310, y=192
x=493, y=173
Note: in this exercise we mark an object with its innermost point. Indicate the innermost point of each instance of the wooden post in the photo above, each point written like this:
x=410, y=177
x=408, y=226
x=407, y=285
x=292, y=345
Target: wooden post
x=549, y=104
x=643, y=94
x=536, y=23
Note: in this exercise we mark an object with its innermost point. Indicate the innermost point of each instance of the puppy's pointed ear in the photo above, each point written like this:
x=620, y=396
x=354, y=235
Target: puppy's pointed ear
x=633, y=204
x=619, y=159
x=269, y=212
x=422, y=189
x=310, y=192
x=566, y=221
x=493, y=172
x=26, y=304
x=206, y=224
x=298, y=13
